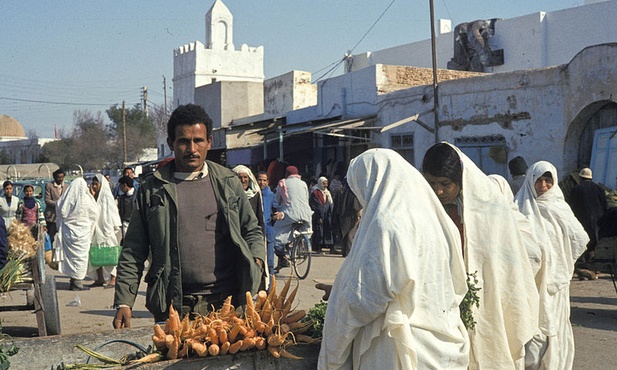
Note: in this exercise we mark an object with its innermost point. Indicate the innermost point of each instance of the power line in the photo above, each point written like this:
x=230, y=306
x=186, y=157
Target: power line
x=52, y=102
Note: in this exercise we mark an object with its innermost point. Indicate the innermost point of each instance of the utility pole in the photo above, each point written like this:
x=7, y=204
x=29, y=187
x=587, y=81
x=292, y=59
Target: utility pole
x=124, y=133
x=165, y=94
x=435, y=92
x=145, y=94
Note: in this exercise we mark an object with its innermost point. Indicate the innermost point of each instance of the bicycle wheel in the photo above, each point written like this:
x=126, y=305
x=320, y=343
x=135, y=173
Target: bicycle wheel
x=301, y=256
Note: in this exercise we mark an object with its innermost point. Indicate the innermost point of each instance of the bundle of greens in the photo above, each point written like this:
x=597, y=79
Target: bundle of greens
x=471, y=299
x=16, y=270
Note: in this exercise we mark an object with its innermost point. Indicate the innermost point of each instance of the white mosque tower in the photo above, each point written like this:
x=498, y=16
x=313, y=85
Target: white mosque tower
x=197, y=65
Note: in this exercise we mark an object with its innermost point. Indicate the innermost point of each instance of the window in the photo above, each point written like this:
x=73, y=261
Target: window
x=403, y=145
x=489, y=153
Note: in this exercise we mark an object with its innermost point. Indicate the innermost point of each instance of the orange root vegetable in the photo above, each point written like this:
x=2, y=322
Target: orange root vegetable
x=260, y=327
x=183, y=352
x=300, y=327
x=158, y=331
x=214, y=349
x=261, y=299
x=169, y=339
x=266, y=311
x=247, y=344
x=213, y=336
x=275, y=351
x=284, y=329
x=172, y=354
x=250, y=307
x=276, y=340
x=222, y=335
x=233, y=334
x=289, y=301
x=281, y=298
x=235, y=347
x=200, y=348
x=225, y=348
x=159, y=342
x=295, y=316
x=286, y=354
x=226, y=309
x=260, y=343
x=272, y=295
x=250, y=333
x=184, y=325
x=174, y=320
x=305, y=338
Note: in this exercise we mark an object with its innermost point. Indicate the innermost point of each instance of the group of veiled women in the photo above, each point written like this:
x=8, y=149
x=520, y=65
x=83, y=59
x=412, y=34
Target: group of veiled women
x=423, y=236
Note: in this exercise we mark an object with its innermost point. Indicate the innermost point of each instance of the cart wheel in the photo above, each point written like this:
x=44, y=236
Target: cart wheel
x=50, y=305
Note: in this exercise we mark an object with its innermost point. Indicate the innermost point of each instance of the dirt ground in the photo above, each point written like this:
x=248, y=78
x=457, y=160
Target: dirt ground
x=593, y=315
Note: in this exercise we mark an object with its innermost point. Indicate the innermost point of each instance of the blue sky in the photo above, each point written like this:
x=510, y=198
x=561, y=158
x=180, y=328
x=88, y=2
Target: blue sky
x=63, y=55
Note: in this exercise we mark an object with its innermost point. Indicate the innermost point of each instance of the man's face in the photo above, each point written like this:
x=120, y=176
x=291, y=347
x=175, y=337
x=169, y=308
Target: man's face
x=444, y=188
x=129, y=172
x=8, y=190
x=59, y=178
x=244, y=179
x=190, y=147
x=262, y=181
x=124, y=188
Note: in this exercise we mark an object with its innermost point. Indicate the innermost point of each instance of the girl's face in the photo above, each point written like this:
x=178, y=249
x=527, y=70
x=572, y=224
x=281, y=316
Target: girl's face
x=543, y=184
x=29, y=192
x=8, y=190
x=96, y=186
x=445, y=189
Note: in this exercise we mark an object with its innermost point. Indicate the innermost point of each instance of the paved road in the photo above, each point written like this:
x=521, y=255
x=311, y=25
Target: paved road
x=594, y=312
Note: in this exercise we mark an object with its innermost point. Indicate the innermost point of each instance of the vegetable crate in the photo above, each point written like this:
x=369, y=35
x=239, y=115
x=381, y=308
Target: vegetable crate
x=41, y=295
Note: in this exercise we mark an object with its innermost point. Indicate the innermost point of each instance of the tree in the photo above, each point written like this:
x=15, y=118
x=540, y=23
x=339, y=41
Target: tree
x=140, y=132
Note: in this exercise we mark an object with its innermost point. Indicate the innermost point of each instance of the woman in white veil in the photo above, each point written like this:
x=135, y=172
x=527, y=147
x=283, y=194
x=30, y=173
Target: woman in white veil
x=395, y=301
x=564, y=239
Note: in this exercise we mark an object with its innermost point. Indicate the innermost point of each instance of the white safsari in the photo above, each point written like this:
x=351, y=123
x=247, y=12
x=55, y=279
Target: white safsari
x=495, y=248
x=564, y=240
x=76, y=217
x=395, y=301
x=108, y=223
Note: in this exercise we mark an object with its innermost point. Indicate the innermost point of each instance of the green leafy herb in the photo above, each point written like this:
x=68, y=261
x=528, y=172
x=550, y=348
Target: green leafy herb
x=317, y=315
x=471, y=299
x=6, y=349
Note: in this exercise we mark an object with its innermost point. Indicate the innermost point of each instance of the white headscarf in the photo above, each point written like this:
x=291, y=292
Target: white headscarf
x=508, y=314
x=253, y=188
x=554, y=224
x=76, y=217
x=395, y=301
x=109, y=218
x=321, y=186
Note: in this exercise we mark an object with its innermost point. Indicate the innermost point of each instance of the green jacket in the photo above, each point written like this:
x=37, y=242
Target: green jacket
x=153, y=229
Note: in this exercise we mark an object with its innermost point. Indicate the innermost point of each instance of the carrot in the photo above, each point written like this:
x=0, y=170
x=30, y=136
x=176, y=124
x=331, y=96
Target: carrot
x=147, y=359
x=159, y=342
x=200, y=348
x=214, y=349
x=281, y=298
x=289, y=301
x=226, y=309
x=222, y=335
x=300, y=327
x=225, y=348
x=233, y=334
x=260, y=343
x=295, y=316
x=213, y=336
x=247, y=344
x=284, y=329
x=260, y=326
x=169, y=339
x=158, y=331
x=274, y=351
x=261, y=299
x=266, y=311
x=305, y=338
x=275, y=340
x=250, y=307
x=183, y=351
x=272, y=295
x=286, y=354
x=235, y=347
x=174, y=320
x=172, y=354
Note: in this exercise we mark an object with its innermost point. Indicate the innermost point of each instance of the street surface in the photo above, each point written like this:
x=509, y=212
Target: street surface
x=594, y=311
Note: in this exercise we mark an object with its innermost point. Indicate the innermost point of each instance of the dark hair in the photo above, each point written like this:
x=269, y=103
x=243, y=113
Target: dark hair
x=548, y=174
x=517, y=166
x=28, y=186
x=262, y=173
x=190, y=114
x=6, y=183
x=94, y=178
x=441, y=160
x=57, y=172
x=126, y=180
x=127, y=168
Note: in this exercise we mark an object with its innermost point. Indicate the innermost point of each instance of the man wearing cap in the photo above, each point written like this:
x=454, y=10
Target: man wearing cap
x=588, y=202
x=292, y=206
x=518, y=167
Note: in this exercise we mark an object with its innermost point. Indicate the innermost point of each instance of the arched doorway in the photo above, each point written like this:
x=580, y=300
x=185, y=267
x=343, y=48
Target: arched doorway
x=579, y=139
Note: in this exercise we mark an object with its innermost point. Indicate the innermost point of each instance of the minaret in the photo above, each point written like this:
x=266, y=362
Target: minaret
x=219, y=27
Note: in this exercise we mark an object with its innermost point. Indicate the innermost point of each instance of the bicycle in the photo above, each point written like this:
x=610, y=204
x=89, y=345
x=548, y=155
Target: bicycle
x=300, y=250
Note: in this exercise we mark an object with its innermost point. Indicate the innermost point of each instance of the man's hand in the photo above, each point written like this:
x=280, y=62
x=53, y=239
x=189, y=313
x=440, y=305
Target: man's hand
x=259, y=262
x=123, y=318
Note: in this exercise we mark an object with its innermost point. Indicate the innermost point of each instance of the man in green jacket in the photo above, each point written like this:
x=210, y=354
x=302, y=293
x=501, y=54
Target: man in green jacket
x=193, y=217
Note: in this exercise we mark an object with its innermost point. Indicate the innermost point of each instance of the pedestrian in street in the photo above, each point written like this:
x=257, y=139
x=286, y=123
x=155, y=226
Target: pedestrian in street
x=564, y=240
x=107, y=227
x=395, y=301
x=8, y=204
x=194, y=219
x=322, y=206
x=267, y=196
x=588, y=202
x=76, y=217
x=125, y=202
x=30, y=211
x=346, y=216
x=293, y=207
x=518, y=167
x=494, y=250
x=53, y=191
x=252, y=191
